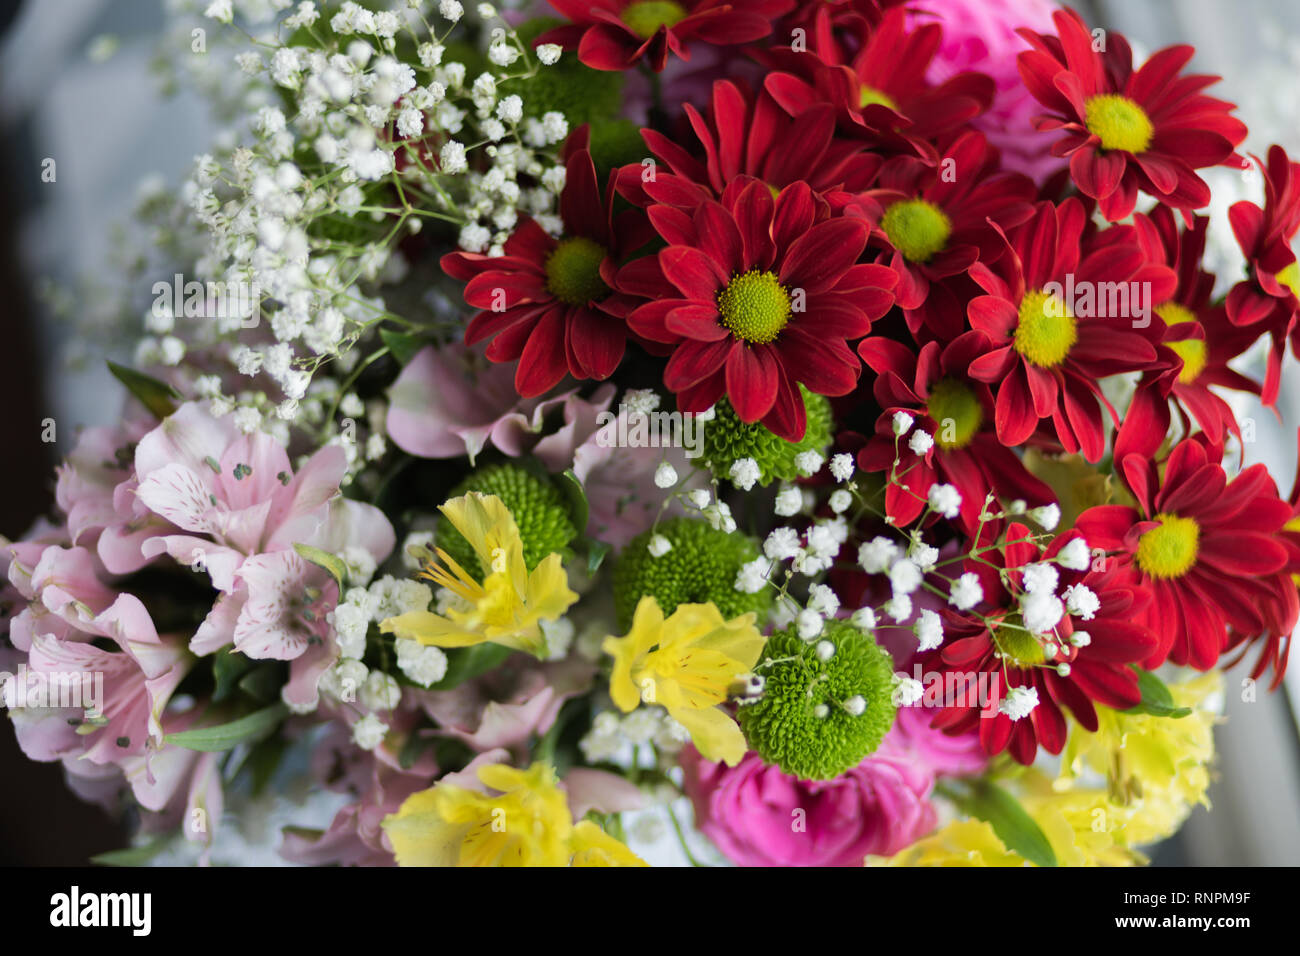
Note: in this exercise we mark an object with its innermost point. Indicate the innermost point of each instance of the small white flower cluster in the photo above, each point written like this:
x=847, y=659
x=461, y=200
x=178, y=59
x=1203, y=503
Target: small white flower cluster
x=613, y=737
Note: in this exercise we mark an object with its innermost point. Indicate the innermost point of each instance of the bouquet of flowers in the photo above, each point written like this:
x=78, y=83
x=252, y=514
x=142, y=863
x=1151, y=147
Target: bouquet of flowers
x=557, y=424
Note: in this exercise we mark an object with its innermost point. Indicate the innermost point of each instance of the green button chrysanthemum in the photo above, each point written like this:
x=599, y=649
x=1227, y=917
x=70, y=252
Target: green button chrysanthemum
x=727, y=440
x=700, y=567
x=818, y=718
x=537, y=506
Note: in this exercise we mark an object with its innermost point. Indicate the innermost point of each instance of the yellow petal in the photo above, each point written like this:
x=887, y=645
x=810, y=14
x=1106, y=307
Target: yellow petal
x=419, y=834
x=714, y=734
x=592, y=846
x=429, y=628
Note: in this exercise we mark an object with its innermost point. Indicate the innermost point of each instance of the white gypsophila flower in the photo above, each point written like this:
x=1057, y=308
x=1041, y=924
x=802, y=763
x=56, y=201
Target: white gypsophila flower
x=510, y=109
x=855, y=706
x=789, y=501
x=840, y=501
x=878, y=554
x=929, y=630
x=825, y=650
x=559, y=635
x=380, y=691
x=842, y=466
x=864, y=619
x=920, y=441
x=904, y=576
x=487, y=11
x=1041, y=611
x=944, y=498
x=808, y=463
x=369, y=732
x=899, y=607
x=744, y=473
x=923, y=556
x=1080, y=638
x=1040, y=577
x=966, y=592
x=248, y=419
x=1019, y=702
x=700, y=498
x=502, y=54
x=220, y=10
x=823, y=600
x=1075, y=555
x=1048, y=516
x=549, y=53
x=423, y=664
x=360, y=564
x=752, y=576
x=452, y=157
x=907, y=690
x=665, y=475
x=901, y=423
x=350, y=625
x=1082, y=601
x=451, y=10
x=641, y=726
x=658, y=546
x=809, y=623
x=781, y=544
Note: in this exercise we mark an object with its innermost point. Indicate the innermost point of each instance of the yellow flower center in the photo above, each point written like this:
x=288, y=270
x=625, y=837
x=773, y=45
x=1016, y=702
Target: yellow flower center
x=645, y=17
x=916, y=228
x=1290, y=277
x=1191, y=351
x=869, y=96
x=1016, y=645
x=956, y=411
x=1169, y=550
x=755, y=306
x=1046, y=331
x=573, y=271
x=1118, y=122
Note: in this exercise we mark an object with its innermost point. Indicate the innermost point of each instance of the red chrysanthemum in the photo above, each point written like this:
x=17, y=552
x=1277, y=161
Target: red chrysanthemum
x=754, y=295
x=618, y=34
x=1268, y=298
x=877, y=82
x=1062, y=667
x=1047, y=356
x=934, y=387
x=934, y=222
x=550, y=302
x=744, y=134
x=1128, y=130
x=1209, y=549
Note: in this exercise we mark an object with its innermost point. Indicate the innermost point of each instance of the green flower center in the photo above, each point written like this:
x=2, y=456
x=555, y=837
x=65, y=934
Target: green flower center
x=1016, y=645
x=755, y=306
x=956, y=411
x=1290, y=277
x=1191, y=351
x=573, y=271
x=645, y=17
x=1169, y=550
x=869, y=96
x=916, y=228
x=1118, y=122
x=1046, y=331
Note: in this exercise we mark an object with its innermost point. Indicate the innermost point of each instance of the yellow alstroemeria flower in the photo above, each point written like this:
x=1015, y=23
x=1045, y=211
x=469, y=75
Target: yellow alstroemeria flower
x=527, y=822
x=508, y=605
x=686, y=663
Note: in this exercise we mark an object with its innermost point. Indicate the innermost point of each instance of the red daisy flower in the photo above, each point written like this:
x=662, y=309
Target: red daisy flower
x=934, y=387
x=1268, y=298
x=1084, y=658
x=749, y=135
x=1127, y=130
x=618, y=34
x=756, y=295
x=550, y=302
x=935, y=222
x=1201, y=339
x=877, y=82
x=1209, y=549
x=1051, y=348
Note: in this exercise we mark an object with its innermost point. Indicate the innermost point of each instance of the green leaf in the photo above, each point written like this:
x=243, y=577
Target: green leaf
x=402, y=345
x=466, y=663
x=228, y=666
x=134, y=855
x=263, y=684
x=1156, y=699
x=254, y=726
x=577, y=499
x=159, y=397
x=596, y=552
x=1014, y=827
x=323, y=559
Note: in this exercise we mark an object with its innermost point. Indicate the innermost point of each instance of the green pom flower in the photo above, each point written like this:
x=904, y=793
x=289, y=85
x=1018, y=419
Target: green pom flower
x=701, y=566
x=582, y=94
x=615, y=143
x=727, y=439
x=537, y=506
x=818, y=718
